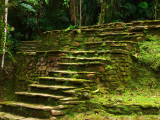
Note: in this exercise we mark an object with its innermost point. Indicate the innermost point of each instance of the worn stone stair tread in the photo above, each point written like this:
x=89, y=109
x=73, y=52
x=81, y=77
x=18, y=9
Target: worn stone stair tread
x=35, y=41
x=63, y=71
x=28, y=50
x=61, y=107
x=109, y=42
x=27, y=105
x=70, y=91
x=123, y=33
x=69, y=98
x=66, y=79
x=5, y=115
x=77, y=63
x=71, y=102
x=52, y=87
x=24, y=47
x=39, y=94
x=93, y=58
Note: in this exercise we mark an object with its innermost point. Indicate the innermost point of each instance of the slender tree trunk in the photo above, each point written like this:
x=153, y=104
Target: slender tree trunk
x=102, y=12
x=156, y=9
x=80, y=23
x=5, y=34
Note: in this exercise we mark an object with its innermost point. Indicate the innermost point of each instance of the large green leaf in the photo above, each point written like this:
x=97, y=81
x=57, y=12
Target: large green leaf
x=28, y=7
x=143, y=5
x=47, y=1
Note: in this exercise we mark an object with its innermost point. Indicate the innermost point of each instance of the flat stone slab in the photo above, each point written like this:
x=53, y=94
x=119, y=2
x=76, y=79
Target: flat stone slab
x=69, y=98
x=70, y=91
x=80, y=58
x=78, y=63
x=56, y=112
x=66, y=79
x=51, y=86
x=62, y=107
x=4, y=115
x=39, y=94
x=71, y=102
x=59, y=71
x=26, y=105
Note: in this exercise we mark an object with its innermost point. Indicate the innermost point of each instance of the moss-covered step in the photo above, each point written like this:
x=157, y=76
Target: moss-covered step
x=31, y=42
x=50, y=89
x=135, y=38
x=82, y=66
x=71, y=102
x=141, y=28
x=83, y=59
x=38, y=94
x=108, y=45
x=70, y=74
x=38, y=98
x=28, y=47
x=147, y=22
x=28, y=50
x=8, y=116
x=63, y=81
x=108, y=25
x=116, y=29
x=27, y=110
x=103, y=54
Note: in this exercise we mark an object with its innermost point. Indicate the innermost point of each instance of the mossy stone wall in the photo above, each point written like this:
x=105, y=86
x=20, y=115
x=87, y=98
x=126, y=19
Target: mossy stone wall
x=114, y=75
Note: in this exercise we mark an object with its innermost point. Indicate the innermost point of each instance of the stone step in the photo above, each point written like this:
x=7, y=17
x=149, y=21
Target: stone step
x=115, y=34
x=141, y=28
x=116, y=29
x=27, y=110
x=31, y=42
x=63, y=80
x=108, y=45
x=84, y=53
x=84, y=60
x=8, y=116
x=91, y=67
x=69, y=74
x=147, y=22
x=27, y=48
x=107, y=25
x=72, y=102
x=49, y=89
x=39, y=94
x=69, y=98
x=62, y=107
x=52, y=87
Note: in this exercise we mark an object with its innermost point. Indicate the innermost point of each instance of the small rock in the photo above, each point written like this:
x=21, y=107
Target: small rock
x=53, y=118
x=55, y=112
x=118, y=99
x=59, y=107
x=86, y=95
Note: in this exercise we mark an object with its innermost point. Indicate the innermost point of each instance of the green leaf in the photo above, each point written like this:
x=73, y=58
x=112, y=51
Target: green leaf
x=47, y=1
x=143, y=5
x=30, y=8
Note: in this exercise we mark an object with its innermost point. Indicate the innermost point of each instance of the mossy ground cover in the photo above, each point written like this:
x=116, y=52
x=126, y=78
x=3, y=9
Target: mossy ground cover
x=143, y=88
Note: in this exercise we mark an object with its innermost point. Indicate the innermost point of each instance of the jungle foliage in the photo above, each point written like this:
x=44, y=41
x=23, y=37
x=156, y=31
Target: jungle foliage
x=27, y=19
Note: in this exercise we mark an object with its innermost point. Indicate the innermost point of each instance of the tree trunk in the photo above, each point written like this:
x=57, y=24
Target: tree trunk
x=5, y=34
x=80, y=23
x=103, y=5
x=156, y=9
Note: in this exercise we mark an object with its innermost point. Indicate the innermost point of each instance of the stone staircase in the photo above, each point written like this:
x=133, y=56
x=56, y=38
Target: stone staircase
x=53, y=95
x=30, y=46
